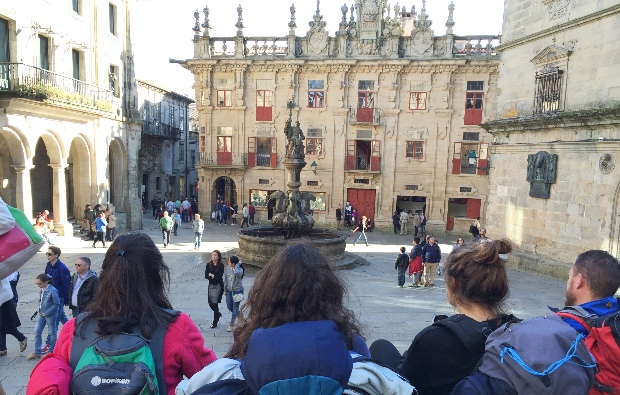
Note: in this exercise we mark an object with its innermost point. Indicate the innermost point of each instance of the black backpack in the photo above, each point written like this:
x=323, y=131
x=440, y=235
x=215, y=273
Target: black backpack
x=473, y=229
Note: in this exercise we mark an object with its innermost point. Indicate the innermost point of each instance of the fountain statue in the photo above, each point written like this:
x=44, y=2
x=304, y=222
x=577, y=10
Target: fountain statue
x=292, y=211
x=292, y=214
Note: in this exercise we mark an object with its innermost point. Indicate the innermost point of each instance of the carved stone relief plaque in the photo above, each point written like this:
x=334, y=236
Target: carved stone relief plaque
x=541, y=173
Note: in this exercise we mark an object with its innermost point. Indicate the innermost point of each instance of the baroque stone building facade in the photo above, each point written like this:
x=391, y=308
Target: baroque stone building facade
x=165, y=162
x=553, y=186
x=390, y=118
x=69, y=130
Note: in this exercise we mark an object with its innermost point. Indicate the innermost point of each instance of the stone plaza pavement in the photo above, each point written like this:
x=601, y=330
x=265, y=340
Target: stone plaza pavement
x=385, y=310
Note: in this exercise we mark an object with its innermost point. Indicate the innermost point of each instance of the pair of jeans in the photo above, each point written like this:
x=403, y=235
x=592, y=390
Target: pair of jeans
x=99, y=237
x=360, y=235
x=233, y=306
x=197, y=237
x=245, y=221
x=423, y=229
x=166, y=236
x=52, y=328
x=401, y=276
x=61, y=318
x=176, y=229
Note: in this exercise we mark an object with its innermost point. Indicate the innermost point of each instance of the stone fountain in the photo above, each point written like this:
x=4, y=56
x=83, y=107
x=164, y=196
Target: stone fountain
x=292, y=218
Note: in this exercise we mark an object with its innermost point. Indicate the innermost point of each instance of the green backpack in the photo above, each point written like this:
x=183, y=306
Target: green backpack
x=125, y=363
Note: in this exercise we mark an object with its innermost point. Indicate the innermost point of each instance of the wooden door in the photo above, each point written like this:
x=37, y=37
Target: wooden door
x=473, y=108
x=473, y=208
x=483, y=159
x=456, y=158
x=362, y=200
x=375, y=156
x=224, y=150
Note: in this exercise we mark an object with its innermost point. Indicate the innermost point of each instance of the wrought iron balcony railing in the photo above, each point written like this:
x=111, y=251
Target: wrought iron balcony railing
x=223, y=159
x=156, y=128
x=35, y=83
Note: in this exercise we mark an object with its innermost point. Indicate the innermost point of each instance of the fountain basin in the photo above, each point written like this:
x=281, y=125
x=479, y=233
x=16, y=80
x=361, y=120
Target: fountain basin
x=257, y=245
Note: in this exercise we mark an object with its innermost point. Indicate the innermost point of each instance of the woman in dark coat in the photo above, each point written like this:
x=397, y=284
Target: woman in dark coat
x=214, y=272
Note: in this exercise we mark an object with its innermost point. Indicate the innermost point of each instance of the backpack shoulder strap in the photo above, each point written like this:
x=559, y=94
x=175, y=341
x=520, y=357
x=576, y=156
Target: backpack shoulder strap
x=470, y=332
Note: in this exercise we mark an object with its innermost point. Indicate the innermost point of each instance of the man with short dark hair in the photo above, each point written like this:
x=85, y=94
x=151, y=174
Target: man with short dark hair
x=62, y=280
x=84, y=284
x=431, y=256
x=592, y=283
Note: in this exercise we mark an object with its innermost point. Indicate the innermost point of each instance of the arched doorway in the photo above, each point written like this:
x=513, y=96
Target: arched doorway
x=78, y=178
x=117, y=183
x=41, y=179
x=224, y=188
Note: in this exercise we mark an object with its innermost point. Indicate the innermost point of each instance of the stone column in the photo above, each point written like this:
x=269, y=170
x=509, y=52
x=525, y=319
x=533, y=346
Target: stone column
x=23, y=189
x=59, y=200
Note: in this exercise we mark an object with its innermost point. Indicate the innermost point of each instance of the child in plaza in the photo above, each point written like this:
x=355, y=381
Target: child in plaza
x=401, y=264
x=415, y=263
x=47, y=314
x=100, y=227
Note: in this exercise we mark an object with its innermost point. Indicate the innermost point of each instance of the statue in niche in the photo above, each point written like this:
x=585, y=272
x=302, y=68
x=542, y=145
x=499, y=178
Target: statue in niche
x=541, y=173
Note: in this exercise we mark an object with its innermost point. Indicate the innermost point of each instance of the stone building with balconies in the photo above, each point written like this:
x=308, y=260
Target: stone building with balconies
x=390, y=118
x=69, y=130
x=553, y=187
x=164, y=160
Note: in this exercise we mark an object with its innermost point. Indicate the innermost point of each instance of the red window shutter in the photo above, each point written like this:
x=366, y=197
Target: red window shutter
x=375, y=157
x=350, y=163
x=473, y=208
x=274, y=153
x=473, y=108
x=483, y=160
x=456, y=158
x=251, y=151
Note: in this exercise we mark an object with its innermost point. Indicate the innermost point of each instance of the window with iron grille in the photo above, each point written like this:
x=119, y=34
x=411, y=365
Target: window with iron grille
x=475, y=85
x=224, y=130
x=412, y=187
x=417, y=100
x=224, y=98
x=548, y=90
x=314, y=146
x=364, y=134
x=471, y=136
x=263, y=181
x=312, y=183
x=316, y=93
x=366, y=85
x=465, y=189
x=361, y=181
x=415, y=149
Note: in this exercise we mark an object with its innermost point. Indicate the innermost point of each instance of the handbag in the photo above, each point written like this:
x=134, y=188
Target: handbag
x=238, y=297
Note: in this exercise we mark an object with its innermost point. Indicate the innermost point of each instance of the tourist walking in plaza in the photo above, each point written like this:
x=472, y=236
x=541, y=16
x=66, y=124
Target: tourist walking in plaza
x=233, y=276
x=353, y=217
x=246, y=215
x=224, y=217
x=431, y=256
x=47, y=314
x=61, y=277
x=404, y=219
x=348, y=212
x=111, y=227
x=185, y=209
x=134, y=280
x=477, y=286
x=252, y=211
x=9, y=319
x=84, y=284
x=338, y=217
x=100, y=227
x=176, y=222
x=198, y=226
x=401, y=265
x=415, y=263
x=396, y=222
x=361, y=227
x=214, y=272
x=416, y=223
x=423, y=224
x=166, y=224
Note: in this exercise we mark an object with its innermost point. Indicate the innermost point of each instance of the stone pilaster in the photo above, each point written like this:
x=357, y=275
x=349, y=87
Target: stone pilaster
x=59, y=200
x=23, y=189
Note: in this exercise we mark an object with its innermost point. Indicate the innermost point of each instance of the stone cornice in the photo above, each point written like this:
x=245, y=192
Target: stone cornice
x=587, y=119
x=593, y=17
x=483, y=68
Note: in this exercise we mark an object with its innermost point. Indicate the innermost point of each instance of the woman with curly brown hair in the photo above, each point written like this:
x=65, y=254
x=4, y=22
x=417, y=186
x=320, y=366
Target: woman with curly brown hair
x=295, y=335
x=477, y=287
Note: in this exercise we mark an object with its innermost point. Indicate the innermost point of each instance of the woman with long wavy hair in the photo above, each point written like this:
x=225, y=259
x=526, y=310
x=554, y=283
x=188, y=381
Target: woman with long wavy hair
x=214, y=273
x=133, y=298
x=295, y=335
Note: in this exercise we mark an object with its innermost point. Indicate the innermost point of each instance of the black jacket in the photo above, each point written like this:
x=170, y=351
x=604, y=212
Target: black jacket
x=86, y=291
x=402, y=261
